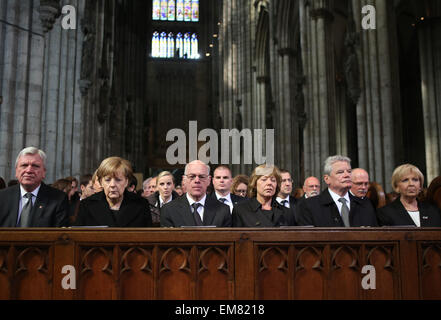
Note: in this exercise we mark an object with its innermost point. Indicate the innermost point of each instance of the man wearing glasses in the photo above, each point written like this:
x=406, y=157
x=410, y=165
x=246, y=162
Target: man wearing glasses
x=194, y=208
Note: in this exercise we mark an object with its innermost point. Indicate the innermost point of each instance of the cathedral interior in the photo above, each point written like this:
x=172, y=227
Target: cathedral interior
x=87, y=79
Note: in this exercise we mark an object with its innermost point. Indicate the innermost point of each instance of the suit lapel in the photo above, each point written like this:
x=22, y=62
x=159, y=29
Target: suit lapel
x=403, y=212
x=326, y=200
x=39, y=205
x=13, y=206
x=209, y=211
x=187, y=215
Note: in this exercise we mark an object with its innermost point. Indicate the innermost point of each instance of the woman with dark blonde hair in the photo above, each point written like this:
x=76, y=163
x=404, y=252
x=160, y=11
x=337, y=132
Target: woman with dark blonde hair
x=239, y=187
x=262, y=209
x=114, y=206
x=407, y=181
x=164, y=193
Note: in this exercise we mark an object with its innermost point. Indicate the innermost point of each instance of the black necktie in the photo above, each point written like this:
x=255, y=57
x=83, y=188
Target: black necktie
x=197, y=217
x=284, y=202
x=26, y=211
x=223, y=200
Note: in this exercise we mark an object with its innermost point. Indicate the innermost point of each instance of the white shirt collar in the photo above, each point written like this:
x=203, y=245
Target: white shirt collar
x=191, y=201
x=335, y=197
x=34, y=192
x=161, y=202
x=227, y=197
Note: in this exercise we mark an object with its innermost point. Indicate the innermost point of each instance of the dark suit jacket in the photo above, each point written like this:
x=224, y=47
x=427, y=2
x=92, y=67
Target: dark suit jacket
x=95, y=211
x=49, y=210
x=248, y=214
x=178, y=213
x=394, y=214
x=321, y=211
x=235, y=199
x=153, y=200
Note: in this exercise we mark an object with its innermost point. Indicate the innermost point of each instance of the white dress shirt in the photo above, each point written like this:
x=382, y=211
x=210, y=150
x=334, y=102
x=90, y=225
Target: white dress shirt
x=201, y=208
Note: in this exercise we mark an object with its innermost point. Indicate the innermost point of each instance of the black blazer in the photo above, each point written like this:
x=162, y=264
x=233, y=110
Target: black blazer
x=321, y=211
x=235, y=199
x=134, y=212
x=50, y=209
x=394, y=214
x=178, y=213
x=153, y=200
x=248, y=214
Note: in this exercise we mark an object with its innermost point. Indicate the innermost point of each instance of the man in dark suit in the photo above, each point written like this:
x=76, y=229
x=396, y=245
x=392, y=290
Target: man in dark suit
x=335, y=206
x=222, y=181
x=31, y=203
x=284, y=196
x=194, y=208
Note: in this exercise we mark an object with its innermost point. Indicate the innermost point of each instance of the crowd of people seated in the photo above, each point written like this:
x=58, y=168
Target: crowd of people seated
x=266, y=198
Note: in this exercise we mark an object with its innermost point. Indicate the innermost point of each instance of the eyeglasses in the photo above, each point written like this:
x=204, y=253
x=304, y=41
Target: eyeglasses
x=193, y=176
x=241, y=191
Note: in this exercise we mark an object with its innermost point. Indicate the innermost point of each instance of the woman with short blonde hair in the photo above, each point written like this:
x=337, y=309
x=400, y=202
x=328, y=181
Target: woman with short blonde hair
x=262, y=209
x=114, y=206
x=407, y=180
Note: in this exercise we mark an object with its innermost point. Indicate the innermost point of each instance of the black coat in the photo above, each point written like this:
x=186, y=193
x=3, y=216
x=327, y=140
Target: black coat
x=394, y=214
x=321, y=211
x=155, y=211
x=49, y=210
x=178, y=213
x=95, y=211
x=248, y=214
x=235, y=199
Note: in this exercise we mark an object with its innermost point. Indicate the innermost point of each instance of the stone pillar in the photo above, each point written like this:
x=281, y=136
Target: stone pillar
x=378, y=116
x=318, y=66
x=21, y=60
x=429, y=34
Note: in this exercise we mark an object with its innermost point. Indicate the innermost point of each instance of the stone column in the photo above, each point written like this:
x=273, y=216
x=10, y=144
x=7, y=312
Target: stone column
x=318, y=66
x=378, y=116
x=429, y=34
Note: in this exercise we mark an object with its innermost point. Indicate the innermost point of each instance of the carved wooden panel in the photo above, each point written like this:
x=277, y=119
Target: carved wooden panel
x=309, y=281
x=175, y=274
x=383, y=258
x=96, y=273
x=215, y=270
x=273, y=276
x=32, y=276
x=345, y=273
x=430, y=271
x=136, y=273
x=4, y=279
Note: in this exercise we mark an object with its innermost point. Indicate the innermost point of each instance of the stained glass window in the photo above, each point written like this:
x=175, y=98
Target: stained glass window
x=180, y=10
x=195, y=10
x=187, y=10
x=156, y=9
x=170, y=46
x=164, y=5
x=155, y=45
x=179, y=46
x=194, y=47
x=171, y=10
x=176, y=10
x=187, y=46
x=163, y=45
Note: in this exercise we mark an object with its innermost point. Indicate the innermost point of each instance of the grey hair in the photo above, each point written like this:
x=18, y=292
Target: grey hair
x=331, y=160
x=32, y=151
x=197, y=162
x=146, y=182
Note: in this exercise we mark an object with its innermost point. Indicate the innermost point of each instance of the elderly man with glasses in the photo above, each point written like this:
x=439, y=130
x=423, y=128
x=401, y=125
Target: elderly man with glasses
x=195, y=208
